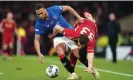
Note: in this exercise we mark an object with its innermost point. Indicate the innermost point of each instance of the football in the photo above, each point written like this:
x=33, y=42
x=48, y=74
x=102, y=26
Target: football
x=52, y=71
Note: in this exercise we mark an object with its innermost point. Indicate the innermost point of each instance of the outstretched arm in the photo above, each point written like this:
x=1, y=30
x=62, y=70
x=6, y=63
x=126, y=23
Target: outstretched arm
x=57, y=29
x=37, y=47
x=1, y=25
x=90, y=57
x=72, y=11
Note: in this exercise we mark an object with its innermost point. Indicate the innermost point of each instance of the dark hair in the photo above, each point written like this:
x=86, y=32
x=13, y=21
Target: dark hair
x=83, y=39
x=39, y=6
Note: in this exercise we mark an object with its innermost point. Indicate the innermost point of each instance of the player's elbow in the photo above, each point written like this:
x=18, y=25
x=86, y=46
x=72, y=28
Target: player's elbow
x=67, y=8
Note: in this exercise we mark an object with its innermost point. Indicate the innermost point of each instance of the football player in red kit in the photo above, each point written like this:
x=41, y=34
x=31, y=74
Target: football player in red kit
x=8, y=27
x=85, y=34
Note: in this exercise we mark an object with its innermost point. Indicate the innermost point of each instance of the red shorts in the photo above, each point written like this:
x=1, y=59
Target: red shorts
x=7, y=39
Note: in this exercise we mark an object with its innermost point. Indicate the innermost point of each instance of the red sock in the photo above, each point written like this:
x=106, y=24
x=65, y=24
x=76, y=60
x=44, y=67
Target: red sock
x=10, y=52
x=73, y=60
x=4, y=51
x=62, y=56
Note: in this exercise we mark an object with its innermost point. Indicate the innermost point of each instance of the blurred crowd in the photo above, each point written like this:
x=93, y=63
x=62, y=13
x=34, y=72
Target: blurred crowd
x=25, y=17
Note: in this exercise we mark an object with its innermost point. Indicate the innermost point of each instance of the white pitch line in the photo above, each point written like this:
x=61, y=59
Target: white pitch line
x=108, y=71
x=101, y=70
x=1, y=73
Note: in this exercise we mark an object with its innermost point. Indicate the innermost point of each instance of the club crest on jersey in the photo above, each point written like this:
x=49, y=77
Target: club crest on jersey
x=55, y=17
x=51, y=22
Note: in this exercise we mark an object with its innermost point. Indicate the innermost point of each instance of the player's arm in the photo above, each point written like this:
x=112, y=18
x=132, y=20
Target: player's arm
x=37, y=43
x=70, y=33
x=37, y=47
x=90, y=55
x=57, y=29
x=90, y=58
x=1, y=25
x=38, y=33
x=1, y=30
x=72, y=11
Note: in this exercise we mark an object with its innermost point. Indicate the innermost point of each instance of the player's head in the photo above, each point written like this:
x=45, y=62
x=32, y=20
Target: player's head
x=83, y=40
x=40, y=11
x=9, y=15
x=112, y=17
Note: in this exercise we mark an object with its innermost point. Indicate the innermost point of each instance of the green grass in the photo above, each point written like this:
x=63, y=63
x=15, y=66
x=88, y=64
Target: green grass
x=31, y=69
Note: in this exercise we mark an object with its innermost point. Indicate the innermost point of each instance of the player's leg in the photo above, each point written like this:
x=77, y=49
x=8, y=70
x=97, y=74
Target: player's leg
x=73, y=60
x=83, y=54
x=61, y=53
x=4, y=46
x=63, y=58
x=65, y=61
x=83, y=59
x=80, y=55
x=11, y=42
x=10, y=50
x=74, y=48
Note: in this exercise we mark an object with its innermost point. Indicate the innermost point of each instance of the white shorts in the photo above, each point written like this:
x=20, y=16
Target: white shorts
x=71, y=44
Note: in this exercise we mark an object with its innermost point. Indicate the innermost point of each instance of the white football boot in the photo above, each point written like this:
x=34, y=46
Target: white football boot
x=73, y=76
x=96, y=74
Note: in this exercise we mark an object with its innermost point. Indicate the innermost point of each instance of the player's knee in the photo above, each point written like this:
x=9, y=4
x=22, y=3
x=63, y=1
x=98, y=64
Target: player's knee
x=76, y=53
x=78, y=57
x=59, y=50
x=4, y=46
x=10, y=45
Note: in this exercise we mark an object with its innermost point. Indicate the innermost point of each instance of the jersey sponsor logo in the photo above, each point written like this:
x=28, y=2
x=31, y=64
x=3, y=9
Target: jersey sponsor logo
x=42, y=25
x=47, y=26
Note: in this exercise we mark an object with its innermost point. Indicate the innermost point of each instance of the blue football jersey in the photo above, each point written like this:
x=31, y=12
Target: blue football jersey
x=54, y=17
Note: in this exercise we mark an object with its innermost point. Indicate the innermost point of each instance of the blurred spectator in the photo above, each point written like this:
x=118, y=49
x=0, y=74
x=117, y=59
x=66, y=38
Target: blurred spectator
x=113, y=31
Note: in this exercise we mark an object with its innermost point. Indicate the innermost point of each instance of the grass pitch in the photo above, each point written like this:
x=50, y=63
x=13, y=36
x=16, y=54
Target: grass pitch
x=29, y=68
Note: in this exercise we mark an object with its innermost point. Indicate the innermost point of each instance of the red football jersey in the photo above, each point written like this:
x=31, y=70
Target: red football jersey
x=8, y=27
x=87, y=27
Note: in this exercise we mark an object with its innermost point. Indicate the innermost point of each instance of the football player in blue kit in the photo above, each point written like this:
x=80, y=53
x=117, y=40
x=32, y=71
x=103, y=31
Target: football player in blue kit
x=48, y=18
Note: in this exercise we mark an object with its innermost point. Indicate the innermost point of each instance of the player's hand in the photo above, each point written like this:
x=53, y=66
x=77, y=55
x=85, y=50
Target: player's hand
x=51, y=35
x=41, y=57
x=81, y=19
